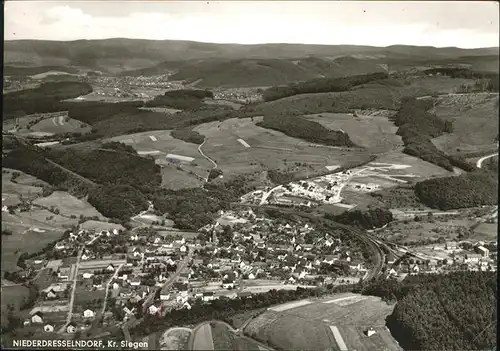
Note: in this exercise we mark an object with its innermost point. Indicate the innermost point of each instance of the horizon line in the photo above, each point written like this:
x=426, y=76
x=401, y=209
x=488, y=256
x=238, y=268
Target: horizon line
x=256, y=44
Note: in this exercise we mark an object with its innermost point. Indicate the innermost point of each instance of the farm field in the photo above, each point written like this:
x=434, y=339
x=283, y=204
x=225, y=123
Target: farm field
x=26, y=185
x=58, y=125
x=352, y=314
x=202, y=338
x=226, y=339
x=174, y=339
x=268, y=149
x=485, y=232
x=68, y=205
x=475, y=122
x=418, y=167
x=377, y=133
x=173, y=178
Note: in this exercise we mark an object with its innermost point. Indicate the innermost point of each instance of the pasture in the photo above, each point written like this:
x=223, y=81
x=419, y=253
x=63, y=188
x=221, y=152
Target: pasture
x=420, y=168
x=485, y=232
x=99, y=226
x=268, y=149
x=25, y=185
x=376, y=133
x=68, y=205
x=475, y=122
x=311, y=324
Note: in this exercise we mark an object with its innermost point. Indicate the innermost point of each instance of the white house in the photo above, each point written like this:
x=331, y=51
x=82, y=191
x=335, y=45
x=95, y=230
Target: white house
x=116, y=231
x=37, y=318
x=59, y=246
x=51, y=294
x=482, y=251
x=135, y=282
x=110, y=268
x=164, y=297
x=183, y=248
x=26, y=322
x=153, y=309
x=134, y=237
x=88, y=314
x=186, y=305
x=370, y=332
x=208, y=296
x=48, y=328
x=116, y=286
x=251, y=276
x=87, y=275
x=473, y=258
x=71, y=329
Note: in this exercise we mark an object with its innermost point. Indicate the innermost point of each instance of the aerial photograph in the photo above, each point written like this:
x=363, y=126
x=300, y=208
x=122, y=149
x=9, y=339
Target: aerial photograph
x=250, y=175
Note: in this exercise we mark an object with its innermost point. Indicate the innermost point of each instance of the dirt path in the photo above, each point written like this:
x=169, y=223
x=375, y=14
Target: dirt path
x=482, y=159
x=72, y=299
x=205, y=156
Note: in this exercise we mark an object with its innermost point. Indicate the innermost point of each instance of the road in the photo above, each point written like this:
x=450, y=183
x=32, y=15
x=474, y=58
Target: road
x=482, y=159
x=202, y=154
x=72, y=299
x=107, y=289
x=266, y=195
x=202, y=338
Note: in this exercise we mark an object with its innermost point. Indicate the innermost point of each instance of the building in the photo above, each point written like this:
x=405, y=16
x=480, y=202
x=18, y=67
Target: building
x=48, y=328
x=88, y=314
x=370, y=332
x=482, y=251
x=71, y=328
x=208, y=296
x=37, y=318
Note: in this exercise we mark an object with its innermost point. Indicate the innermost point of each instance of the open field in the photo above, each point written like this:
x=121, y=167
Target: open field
x=203, y=338
x=68, y=205
x=226, y=339
x=377, y=133
x=269, y=149
x=58, y=125
x=173, y=178
x=26, y=185
x=311, y=324
x=418, y=167
x=12, y=295
x=485, y=232
x=26, y=237
x=174, y=339
x=475, y=122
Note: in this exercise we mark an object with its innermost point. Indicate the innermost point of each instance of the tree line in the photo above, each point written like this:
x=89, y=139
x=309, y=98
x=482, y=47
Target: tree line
x=372, y=218
x=321, y=85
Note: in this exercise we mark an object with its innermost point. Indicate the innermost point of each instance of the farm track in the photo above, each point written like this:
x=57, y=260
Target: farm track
x=205, y=156
x=482, y=159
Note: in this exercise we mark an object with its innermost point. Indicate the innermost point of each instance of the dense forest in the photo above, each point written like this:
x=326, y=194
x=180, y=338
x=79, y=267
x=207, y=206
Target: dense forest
x=466, y=190
x=418, y=127
x=183, y=99
x=188, y=135
x=118, y=201
x=45, y=98
x=301, y=128
x=456, y=311
x=372, y=218
x=321, y=85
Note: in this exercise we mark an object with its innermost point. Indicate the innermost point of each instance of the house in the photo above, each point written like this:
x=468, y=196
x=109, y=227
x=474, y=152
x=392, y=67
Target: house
x=251, y=276
x=48, y=328
x=482, y=251
x=370, y=332
x=208, y=296
x=85, y=257
x=87, y=275
x=37, y=318
x=51, y=294
x=110, y=268
x=153, y=309
x=472, y=258
x=415, y=268
x=164, y=297
x=244, y=294
x=26, y=322
x=88, y=314
x=116, y=286
x=186, y=305
x=135, y=282
x=71, y=328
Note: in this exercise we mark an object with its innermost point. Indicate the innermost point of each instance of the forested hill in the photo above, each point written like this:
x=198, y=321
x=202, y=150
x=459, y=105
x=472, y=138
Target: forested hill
x=457, y=311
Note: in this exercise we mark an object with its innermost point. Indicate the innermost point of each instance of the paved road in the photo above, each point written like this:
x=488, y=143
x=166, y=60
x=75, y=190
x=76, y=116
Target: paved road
x=72, y=299
x=482, y=159
x=208, y=158
x=107, y=288
x=202, y=337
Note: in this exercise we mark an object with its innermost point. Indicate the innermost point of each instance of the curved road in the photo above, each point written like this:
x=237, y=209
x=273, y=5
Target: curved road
x=202, y=154
x=482, y=159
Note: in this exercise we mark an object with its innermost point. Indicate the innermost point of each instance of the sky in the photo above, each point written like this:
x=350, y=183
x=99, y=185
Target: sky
x=465, y=24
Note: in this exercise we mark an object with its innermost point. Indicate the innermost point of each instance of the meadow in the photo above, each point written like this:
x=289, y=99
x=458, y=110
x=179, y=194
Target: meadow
x=311, y=325
x=475, y=122
x=12, y=295
x=68, y=205
x=61, y=125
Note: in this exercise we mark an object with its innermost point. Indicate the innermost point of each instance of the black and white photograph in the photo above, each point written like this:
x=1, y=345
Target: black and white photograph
x=250, y=175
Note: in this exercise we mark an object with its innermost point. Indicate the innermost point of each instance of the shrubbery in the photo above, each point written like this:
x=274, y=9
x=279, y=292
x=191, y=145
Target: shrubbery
x=188, y=135
x=369, y=219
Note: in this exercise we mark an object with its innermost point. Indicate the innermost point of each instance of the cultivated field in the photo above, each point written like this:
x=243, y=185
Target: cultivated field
x=161, y=144
x=25, y=185
x=98, y=225
x=68, y=205
x=268, y=149
x=475, y=122
x=350, y=313
x=420, y=168
x=377, y=133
